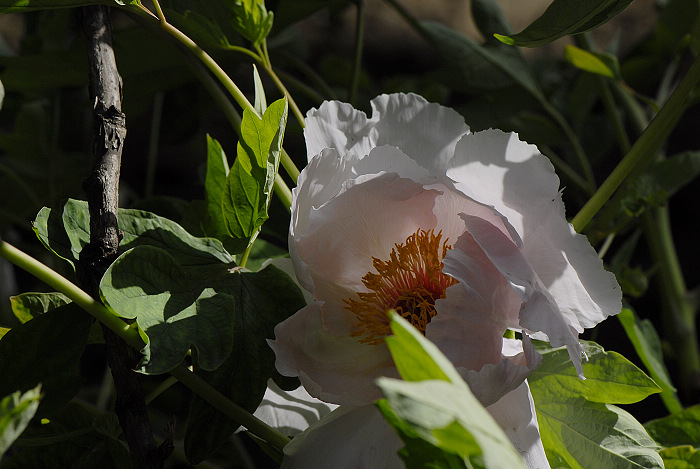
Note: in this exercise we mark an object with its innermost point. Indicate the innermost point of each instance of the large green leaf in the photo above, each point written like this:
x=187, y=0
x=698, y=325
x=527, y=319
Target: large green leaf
x=176, y=307
x=250, y=181
x=681, y=428
x=566, y=17
x=45, y=350
x=578, y=425
x=68, y=234
x=76, y=437
x=264, y=299
x=16, y=410
x=440, y=409
x=647, y=344
x=610, y=377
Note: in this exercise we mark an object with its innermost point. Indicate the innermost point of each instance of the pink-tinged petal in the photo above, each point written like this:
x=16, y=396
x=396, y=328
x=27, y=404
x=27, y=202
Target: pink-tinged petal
x=539, y=312
x=492, y=382
x=337, y=369
x=471, y=319
x=363, y=222
x=291, y=412
x=319, y=182
x=347, y=438
x=426, y=132
x=515, y=413
x=497, y=169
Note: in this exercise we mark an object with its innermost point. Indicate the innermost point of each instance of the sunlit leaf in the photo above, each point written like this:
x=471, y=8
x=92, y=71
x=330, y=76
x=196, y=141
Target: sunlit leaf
x=30, y=305
x=647, y=344
x=440, y=409
x=16, y=410
x=589, y=62
x=249, y=185
x=578, y=425
x=174, y=306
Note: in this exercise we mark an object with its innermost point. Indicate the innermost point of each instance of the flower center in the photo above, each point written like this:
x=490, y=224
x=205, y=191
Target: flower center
x=409, y=282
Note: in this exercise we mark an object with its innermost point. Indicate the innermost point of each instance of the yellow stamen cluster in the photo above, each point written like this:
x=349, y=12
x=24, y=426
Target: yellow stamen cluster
x=409, y=282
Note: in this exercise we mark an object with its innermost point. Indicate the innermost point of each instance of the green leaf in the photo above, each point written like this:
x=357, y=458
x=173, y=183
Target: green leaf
x=214, y=224
x=647, y=344
x=252, y=20
x=416, y=358
x=441, y=408
x=578, y=425
x=77, y=437
x=176, y=307
x=681, y=428
x=264, y=299
x=27, y=306
x=418, y=453
x=45, y=350
x=610, y=377
x=680, y=457
x=565, y=17
x=250, y=181
x=67, y=235
x=477, y=67
x=16, y=411
x=589, y=62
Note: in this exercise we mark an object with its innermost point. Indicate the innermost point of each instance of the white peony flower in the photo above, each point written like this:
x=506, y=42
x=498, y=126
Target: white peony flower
x=461, y=233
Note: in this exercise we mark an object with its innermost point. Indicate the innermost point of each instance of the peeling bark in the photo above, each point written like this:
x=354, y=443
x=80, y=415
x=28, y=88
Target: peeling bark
x=102, y=189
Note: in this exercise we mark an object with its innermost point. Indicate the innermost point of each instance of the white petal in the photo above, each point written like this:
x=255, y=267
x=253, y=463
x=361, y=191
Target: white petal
x=319, y=182
x=337, y=369
x=426, y=132
x=539, y=312
x=291, y=412
x=390, y=159
x=363, y=222
x=492, y=382
x=515, y=413
x=341, y=127
x=347, y=438
x=497, y=169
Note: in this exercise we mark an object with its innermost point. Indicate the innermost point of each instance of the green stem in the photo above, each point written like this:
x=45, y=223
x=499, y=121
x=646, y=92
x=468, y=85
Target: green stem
x=644, y=149
x=302, y=87
x=68, y=288
x=359, y=44
x=679, y=312
x=229, y=408
x=205, y=58
x=283, y=192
